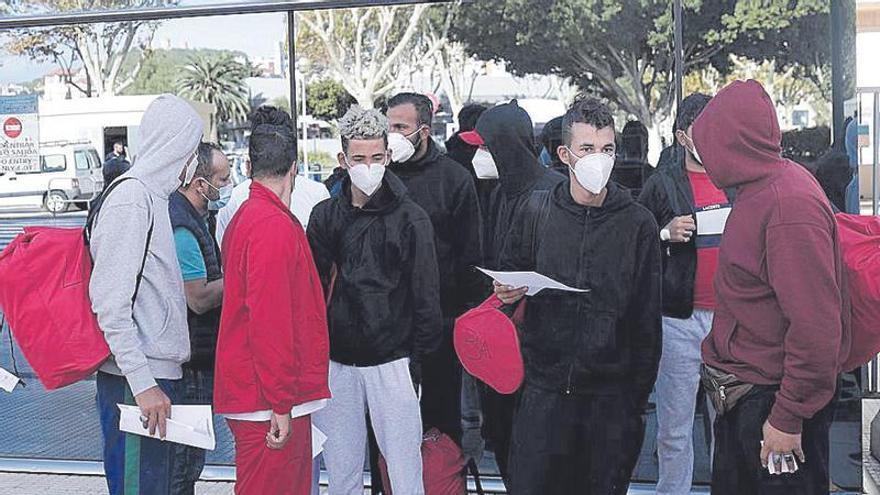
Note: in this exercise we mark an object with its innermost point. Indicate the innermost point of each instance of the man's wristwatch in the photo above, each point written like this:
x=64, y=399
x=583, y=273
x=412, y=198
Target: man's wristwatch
x=665, y=235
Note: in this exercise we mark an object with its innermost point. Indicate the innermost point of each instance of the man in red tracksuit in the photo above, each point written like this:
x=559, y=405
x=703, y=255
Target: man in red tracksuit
x=778, y=321
x=273, y=349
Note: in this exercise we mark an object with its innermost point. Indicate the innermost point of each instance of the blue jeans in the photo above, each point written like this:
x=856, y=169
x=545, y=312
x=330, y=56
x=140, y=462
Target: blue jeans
x=198, y=386
x=133, y=464
x=677, y=384
x=853, y=200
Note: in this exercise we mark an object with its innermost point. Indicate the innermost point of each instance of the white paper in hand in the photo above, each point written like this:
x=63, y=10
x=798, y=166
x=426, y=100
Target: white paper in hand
x=533, y=280
x=191, y=425
x=712, y=221
x=318, y=440
x=8, y=381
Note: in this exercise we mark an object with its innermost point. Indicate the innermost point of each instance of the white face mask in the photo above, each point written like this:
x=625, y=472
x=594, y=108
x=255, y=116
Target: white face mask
x=367, y=178
x=402, y=149
x=484, y=165
x=697, y=155
x=593, y=171
x=191, y=170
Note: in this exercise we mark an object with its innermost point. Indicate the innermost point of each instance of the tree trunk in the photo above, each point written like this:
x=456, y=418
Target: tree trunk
x=365, y=98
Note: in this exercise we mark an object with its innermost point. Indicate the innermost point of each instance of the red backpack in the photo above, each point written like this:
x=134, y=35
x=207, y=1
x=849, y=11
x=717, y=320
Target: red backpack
x=443, y=467
x=45, y=299
x=860, y=245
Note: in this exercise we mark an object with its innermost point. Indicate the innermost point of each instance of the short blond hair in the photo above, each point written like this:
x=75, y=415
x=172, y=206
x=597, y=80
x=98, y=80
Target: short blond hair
x=362, y=123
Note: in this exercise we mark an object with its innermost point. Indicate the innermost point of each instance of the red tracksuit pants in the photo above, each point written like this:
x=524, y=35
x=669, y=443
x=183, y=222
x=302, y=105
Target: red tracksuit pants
x=264, y=471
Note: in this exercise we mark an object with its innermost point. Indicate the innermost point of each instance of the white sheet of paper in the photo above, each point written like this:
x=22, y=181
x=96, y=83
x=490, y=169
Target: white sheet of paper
x=712, y=222
x=191, y=425
x=318, y=440
x=533, y=280
x=8, y=381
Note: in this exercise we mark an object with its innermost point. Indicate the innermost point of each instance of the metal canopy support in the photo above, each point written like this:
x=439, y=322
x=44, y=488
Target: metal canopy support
x=876, y=146
x=679, y=53
x=291, y=63
x=159, y=13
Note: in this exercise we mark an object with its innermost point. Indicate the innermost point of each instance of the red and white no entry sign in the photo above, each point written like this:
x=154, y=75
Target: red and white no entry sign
x=12, y=127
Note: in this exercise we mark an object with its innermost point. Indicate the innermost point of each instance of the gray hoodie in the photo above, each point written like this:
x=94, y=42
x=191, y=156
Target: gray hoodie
x=150, y=340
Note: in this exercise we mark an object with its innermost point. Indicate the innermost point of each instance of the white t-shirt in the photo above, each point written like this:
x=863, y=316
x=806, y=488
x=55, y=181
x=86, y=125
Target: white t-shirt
x=307, y=193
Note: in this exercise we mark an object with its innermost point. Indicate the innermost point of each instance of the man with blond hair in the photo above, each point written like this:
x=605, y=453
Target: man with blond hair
x=374, y=249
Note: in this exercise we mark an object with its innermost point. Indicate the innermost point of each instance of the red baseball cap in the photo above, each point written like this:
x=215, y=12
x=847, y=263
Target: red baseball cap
x=472, y=138
x=487, y=345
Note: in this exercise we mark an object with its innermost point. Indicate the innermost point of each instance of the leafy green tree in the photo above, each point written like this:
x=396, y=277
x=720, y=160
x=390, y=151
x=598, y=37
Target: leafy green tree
x=327, y=99
x=623, y=49
x=161, y=69
x=219, y=81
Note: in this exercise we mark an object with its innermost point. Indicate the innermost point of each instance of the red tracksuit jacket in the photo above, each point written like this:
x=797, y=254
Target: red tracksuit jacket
x=273, y=347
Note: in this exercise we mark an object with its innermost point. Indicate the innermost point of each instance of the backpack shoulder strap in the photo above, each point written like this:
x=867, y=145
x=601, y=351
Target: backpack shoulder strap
x=90, y=223
x=537, y=212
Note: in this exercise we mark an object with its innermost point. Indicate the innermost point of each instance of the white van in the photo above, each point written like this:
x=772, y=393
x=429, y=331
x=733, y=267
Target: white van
x=70, y=174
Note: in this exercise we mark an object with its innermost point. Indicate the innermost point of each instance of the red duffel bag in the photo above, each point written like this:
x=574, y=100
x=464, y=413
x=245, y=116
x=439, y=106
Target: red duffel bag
x=860, y=245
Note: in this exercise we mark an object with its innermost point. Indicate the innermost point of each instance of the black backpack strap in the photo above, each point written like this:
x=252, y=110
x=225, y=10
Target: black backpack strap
x=538, y=211
x=90, y=223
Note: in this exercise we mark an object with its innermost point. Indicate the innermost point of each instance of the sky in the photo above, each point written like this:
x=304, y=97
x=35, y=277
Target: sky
x=257, y=35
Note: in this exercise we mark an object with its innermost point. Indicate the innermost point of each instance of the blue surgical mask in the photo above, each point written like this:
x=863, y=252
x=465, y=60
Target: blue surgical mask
x=223, y=196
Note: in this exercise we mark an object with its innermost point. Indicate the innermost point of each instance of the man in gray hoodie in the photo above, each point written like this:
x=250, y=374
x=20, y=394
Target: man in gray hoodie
x=137, y=294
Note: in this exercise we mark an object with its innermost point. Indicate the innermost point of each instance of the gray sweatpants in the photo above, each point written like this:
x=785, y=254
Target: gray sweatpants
x=678, y=381
x=387, y=392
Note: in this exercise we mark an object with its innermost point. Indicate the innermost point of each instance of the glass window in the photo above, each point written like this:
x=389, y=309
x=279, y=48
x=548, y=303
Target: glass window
x=95, y=159
x=52, y=7
x=82, y=160
x=54, y=163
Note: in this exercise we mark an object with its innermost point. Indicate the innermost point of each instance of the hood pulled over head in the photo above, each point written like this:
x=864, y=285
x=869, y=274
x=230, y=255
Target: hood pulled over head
x=170, y=132
x=737, y=135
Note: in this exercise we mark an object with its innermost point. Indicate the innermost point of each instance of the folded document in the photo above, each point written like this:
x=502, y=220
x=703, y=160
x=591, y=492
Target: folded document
x=188, y=425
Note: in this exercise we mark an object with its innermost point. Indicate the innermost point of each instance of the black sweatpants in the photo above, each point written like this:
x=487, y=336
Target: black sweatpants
x=498, y=410
x=441, y=390
x=565, y=444
x=737, y=465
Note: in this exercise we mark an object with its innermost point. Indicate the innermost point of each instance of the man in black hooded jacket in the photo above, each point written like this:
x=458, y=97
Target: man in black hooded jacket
x=445, y=190
x=504, y=135
x=590, y=358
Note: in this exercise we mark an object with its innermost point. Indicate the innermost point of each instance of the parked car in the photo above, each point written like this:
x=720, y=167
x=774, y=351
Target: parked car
x=70, y=174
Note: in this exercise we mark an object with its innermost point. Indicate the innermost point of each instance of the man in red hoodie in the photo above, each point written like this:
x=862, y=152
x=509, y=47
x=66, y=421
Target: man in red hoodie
x=778, y=321
x=273, y=349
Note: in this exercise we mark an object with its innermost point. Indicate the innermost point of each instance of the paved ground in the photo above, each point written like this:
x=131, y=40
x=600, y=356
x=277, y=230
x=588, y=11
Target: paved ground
x=49, y=484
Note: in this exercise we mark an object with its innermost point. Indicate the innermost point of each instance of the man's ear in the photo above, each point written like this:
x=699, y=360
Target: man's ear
x=341, y=159
x=681, y=138
x=563, y=154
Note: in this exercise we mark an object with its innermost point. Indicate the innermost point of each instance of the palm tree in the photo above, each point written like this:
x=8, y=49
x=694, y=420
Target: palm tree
x=219, y=81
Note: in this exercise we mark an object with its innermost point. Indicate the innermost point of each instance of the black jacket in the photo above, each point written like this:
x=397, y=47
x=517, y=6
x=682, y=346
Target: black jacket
x=507, y=131
x=203, y=329
x=385, y=302
x=446, y=192
x=609, y=339
x=679, y=259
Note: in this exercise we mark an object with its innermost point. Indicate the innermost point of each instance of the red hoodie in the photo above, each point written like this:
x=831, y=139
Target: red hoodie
x=779, y=279
x=273, y=349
